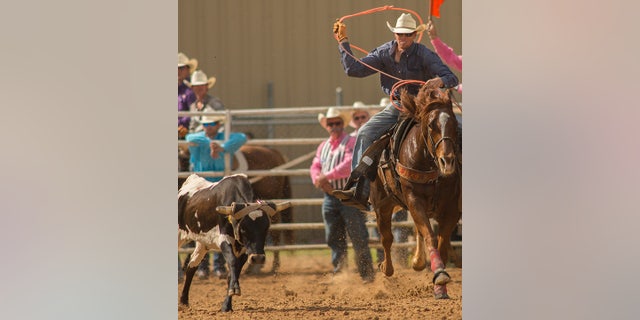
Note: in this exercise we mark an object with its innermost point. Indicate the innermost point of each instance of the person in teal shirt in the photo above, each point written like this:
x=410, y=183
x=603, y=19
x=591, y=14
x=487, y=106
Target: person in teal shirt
x=208, y=155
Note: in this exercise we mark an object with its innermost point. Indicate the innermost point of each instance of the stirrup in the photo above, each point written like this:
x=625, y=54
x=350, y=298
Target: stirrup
x=344, y=194
x=353, y=202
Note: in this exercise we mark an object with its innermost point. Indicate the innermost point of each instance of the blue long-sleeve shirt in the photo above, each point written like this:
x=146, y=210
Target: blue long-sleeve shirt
x=201, y=151
x=416, y=63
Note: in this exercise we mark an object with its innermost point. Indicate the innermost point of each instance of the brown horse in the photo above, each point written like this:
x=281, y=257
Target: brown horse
x=422, y=173
x=276, y=187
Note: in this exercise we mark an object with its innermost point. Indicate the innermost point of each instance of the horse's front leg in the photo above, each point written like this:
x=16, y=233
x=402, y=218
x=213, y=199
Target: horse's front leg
x=447, y=224
x=383, y=220
x=423, y=226
x=419, y=261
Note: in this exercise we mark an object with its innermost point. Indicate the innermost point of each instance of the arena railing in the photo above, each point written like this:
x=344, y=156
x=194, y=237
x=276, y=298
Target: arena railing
x=228, y=114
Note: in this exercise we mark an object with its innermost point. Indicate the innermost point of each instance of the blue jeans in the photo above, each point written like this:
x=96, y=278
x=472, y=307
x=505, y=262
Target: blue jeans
x=218, y=262
x=340, y=219
x=372, y=130
x=400, y=234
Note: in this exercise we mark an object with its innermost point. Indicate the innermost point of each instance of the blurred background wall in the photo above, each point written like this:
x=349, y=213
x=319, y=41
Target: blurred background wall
x=282, y=54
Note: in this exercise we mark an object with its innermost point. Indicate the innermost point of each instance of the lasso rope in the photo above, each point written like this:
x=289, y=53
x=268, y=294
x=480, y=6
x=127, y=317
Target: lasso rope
x=400, y=82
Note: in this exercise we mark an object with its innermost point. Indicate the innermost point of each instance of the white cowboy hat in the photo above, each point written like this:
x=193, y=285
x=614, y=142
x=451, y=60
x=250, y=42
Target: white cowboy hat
x=198, y=77
x=358, y=107
x=210, y=119
x=183, y=60
x=333, y=113
x=406, y=24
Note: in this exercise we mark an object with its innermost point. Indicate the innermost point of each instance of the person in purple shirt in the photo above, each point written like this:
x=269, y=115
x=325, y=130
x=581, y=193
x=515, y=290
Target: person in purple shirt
x=402, y=58
x=185, y=95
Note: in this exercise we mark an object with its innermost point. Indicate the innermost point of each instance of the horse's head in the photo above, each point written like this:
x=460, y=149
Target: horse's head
x=433, y=109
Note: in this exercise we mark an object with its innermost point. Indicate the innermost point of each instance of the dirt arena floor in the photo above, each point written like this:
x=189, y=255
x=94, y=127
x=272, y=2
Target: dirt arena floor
x=305, y=289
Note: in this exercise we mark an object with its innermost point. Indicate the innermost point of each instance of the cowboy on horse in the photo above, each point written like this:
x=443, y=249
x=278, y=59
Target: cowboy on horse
x=399, y=59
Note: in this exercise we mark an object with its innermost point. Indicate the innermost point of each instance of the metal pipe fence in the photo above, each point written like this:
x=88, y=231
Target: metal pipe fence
x=261, y=117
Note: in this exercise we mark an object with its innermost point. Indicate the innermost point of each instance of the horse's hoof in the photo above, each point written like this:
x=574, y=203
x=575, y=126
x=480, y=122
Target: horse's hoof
x=440, y=292
x=441, y=277
x=387, y=271
x=417, y=266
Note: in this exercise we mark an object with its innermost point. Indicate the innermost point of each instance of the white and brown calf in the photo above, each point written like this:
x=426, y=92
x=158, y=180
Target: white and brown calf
x=223, y=216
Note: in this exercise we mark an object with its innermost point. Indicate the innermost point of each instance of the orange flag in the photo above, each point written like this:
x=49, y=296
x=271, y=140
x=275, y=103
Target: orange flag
x=435, y=7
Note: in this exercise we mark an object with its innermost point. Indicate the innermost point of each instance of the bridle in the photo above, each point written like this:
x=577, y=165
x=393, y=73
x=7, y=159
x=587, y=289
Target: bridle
x=434, y=144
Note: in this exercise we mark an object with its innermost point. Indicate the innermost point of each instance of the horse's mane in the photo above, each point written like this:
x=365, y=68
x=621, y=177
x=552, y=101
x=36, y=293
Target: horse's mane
x=428, y=98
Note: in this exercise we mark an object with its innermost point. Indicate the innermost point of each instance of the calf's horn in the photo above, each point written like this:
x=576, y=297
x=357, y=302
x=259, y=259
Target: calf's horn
x=283, y=205
x=227, y=210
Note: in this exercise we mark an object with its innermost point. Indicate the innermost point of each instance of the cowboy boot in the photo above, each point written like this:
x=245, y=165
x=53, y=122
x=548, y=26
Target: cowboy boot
x=356, y=196
x=349, y=189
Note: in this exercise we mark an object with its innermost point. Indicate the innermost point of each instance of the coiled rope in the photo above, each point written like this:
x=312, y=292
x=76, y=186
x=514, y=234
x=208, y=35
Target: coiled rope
x=401, y=82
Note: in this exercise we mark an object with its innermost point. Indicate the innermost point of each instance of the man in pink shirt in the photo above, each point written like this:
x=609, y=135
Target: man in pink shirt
x=330, y=170
x=445, y=53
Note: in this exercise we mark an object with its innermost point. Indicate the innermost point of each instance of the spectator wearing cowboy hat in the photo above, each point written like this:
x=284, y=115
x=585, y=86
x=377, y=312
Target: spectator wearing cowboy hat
x=204, y=102
x=208, y=155
x=329, y=170
x=185, y=95
x=359, y=116
x=403, y=58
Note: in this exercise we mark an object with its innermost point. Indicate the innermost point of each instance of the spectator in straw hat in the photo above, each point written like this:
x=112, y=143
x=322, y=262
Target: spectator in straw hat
x=359, y=116
x=329, y=170
x=207, y=154
x=185, y=95
x=204, y=102
x=403, y=58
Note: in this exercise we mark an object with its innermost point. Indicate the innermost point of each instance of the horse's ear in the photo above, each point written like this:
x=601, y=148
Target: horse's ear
x=407, y=101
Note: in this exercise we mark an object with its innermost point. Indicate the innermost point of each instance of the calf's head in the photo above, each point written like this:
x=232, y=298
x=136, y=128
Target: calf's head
x=251, y=223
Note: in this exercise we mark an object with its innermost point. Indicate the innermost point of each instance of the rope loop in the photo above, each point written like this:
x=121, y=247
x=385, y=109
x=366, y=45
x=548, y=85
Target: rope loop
x=380, y=9
x=401, y=82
